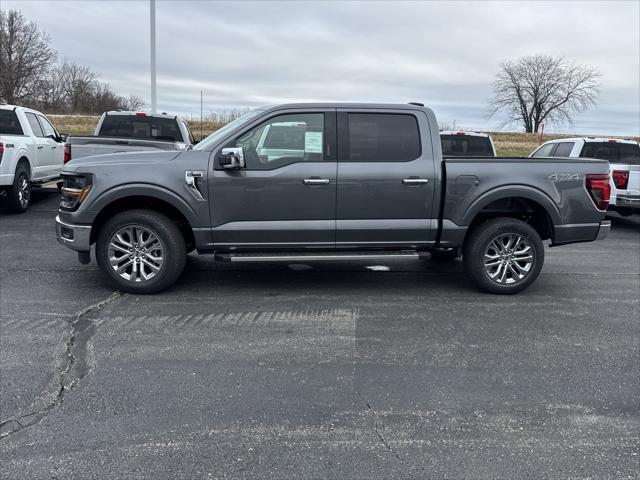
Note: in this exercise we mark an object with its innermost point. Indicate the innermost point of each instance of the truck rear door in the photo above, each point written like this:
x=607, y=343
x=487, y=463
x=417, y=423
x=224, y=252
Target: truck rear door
x=386, y=179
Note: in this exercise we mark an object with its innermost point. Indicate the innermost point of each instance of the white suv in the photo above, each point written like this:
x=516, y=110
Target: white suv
x=31, y=152
x=624, y=165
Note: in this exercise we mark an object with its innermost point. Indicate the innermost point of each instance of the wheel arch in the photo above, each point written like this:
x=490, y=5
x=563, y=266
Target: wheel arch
x=165, y=202
x=525, y=203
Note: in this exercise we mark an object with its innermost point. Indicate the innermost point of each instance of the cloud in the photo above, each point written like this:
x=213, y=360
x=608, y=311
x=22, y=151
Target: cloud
x=244, y=54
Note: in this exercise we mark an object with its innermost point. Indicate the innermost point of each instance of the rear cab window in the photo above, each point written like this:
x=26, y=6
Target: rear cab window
x=381, y=137
x=461, y=145
x=140, y=127
x=9, y=123
x=614, y=152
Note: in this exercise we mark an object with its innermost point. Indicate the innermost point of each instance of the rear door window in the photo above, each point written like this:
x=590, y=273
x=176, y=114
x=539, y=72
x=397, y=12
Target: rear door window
x=466, y=146
x=9, y=123
x=35, y=125
x=382, y=137
x=545, y=150
x=563, y=149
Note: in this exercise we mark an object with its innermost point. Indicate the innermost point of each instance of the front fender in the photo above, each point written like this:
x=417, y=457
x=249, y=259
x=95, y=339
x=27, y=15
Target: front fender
x=141, y=190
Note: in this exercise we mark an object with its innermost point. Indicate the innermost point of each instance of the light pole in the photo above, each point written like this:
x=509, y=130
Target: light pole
x=152, y=7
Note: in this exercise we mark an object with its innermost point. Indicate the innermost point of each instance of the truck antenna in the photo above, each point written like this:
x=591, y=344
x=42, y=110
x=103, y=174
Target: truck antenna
x=201, y=136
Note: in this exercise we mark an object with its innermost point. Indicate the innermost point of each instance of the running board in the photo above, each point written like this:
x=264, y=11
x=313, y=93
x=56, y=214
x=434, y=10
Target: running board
x=312, y=257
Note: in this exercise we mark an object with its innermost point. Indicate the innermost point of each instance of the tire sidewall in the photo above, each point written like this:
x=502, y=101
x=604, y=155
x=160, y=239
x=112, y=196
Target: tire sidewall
x=476, y=246
x=14, y=199
x=168, y=234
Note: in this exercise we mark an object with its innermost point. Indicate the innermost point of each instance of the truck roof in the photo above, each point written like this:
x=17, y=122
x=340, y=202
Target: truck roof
x=395, y=106
x=592, y=140
x=14, y=107
x=139, y=114
x=463, y=133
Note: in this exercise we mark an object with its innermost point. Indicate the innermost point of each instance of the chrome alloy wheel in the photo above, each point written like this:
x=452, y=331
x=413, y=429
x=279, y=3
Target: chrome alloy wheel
x=136, y=253
x=508, y=258
x=24, y=191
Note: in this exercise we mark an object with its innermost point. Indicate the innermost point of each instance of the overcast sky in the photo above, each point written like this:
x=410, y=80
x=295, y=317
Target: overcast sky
x=445, y=54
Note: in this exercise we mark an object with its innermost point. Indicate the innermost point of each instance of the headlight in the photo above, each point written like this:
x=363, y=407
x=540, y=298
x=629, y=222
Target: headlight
x=75, y=189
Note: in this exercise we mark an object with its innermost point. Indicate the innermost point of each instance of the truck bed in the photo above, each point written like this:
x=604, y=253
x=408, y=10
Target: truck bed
x=85, y=146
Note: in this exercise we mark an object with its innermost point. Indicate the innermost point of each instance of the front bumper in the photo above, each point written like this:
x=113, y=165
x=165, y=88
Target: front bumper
x=603, y=231
x=76, y=237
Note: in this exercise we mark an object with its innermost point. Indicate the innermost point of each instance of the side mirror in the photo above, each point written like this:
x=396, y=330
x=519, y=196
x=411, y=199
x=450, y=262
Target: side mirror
x=231, y=158
x=57, y=138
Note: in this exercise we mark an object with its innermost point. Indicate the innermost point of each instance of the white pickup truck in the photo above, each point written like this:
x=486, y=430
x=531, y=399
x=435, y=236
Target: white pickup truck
x=624, y=165
x=31, y=153
x=119, y=132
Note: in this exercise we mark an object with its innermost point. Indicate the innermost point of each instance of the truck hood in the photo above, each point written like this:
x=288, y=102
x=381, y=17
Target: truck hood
x=128, y=158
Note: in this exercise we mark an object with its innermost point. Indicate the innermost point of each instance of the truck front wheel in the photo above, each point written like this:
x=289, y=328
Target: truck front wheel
x=503, y=255
x=141, y=251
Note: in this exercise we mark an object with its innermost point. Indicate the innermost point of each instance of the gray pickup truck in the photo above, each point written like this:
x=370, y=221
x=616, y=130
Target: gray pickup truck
x=317, y=182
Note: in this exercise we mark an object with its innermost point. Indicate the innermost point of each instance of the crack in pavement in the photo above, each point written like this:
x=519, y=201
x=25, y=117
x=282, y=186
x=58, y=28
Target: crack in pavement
x=380, y=436
x=73, y=369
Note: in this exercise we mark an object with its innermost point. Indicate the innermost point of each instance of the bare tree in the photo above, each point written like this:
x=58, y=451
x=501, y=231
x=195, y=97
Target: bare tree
x=132, y=102
x=539, y=88
x=25, y=57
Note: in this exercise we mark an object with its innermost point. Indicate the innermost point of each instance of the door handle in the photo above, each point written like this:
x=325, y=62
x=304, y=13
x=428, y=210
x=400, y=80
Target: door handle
x=54, y=147
x=414, y=181
x=316, y=181
x=40, y=147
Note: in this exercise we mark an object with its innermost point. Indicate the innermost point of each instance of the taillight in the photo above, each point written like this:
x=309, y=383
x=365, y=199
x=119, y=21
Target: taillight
x=67, y=152
x=599, y=189
x=1, y=150
x=141, y=114
x=620, y=178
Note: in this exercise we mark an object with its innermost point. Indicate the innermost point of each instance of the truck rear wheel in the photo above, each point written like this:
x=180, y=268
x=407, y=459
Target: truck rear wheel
x=503, y=255
x=141, y=251
x=19, y=194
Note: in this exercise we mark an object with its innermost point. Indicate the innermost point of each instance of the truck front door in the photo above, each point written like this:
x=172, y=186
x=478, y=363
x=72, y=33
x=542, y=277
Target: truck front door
x=285, y=195
x=386, y=179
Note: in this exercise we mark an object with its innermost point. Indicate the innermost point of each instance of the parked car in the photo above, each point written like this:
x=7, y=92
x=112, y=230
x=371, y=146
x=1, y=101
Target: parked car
x=624, y=165
x=119, y=132
x=367, y=181
x=467, y=144
x=31, y=153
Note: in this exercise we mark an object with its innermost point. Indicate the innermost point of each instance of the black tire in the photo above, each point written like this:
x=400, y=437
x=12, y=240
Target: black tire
x=172, y=249
x=444, y=254
x=501, y=230
x=19, y=194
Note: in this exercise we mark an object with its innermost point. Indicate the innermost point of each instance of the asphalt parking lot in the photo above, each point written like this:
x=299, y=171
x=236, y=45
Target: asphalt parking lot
x=345, y=370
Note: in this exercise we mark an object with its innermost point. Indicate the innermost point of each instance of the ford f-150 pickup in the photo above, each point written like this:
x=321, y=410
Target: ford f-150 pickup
x=118, y=132
x=31, y=153
x=327, y=182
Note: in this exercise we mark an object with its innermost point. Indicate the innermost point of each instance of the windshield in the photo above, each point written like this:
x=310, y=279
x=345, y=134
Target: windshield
x=212, y=139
